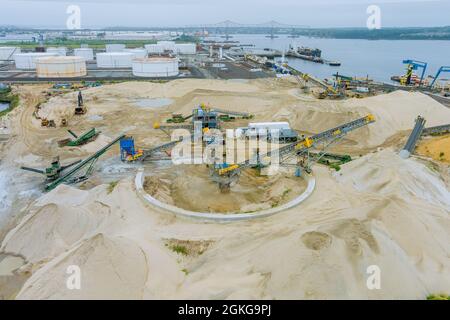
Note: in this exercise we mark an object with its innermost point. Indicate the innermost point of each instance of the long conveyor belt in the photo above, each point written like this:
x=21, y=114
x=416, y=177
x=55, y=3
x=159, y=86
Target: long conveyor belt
x=413, y=137
x=66, y=177
x=307, y=143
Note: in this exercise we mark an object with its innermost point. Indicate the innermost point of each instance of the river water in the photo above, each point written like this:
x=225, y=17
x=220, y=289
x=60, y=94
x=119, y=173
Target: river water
x=3, y=106
x=380, y=59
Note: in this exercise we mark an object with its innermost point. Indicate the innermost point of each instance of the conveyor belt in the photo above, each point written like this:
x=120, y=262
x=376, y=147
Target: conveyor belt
x=66, y=177
x=413, y=137
x=305, y=144
x=436, y=130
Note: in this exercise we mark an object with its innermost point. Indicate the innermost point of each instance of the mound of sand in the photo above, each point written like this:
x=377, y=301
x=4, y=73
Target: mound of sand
x=378, y=210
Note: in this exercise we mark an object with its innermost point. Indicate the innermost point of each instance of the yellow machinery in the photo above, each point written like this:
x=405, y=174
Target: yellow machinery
x=224, y=172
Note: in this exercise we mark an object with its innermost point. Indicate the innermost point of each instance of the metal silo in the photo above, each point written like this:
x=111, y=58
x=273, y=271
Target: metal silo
x=61, y=67
x=155, y=67
x=114, y=60
x=28, y=60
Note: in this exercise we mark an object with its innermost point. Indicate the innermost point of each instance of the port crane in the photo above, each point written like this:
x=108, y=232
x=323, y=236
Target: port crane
x=413, y=65
x=224, y=174
x=441, y=69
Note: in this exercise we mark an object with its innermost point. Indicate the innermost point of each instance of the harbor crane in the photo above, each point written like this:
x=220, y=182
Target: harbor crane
x=441, y=69
x=414, y=65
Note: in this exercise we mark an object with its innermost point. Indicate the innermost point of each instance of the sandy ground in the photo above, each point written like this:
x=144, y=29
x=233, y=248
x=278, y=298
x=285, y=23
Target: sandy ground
x=437, y=148
x=378, y=210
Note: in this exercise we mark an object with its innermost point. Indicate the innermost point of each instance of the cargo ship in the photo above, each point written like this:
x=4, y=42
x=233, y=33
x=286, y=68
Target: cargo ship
x=305, y=53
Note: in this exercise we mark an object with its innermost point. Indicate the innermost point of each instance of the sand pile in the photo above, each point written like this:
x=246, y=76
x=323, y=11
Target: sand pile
x=376, y=210
x=394, y=112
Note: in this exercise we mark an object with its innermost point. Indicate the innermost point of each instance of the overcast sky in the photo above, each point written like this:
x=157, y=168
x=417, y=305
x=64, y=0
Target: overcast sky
x=149, y=13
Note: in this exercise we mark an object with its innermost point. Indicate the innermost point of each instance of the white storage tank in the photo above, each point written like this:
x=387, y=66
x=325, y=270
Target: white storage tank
x=185, y=48
x=167, y=45
x=7, y=53
x=154, y=48
x=114, y=59
x=155, y=67
x=137, y=52
x=61, y=67
x=115, y=47
x=86, y=53
x=28, y=60
x=61, y=51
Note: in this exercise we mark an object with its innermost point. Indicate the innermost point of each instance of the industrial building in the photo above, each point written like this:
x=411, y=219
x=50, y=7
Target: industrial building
x=155, y=67
x=114, y=60
x=60, y=67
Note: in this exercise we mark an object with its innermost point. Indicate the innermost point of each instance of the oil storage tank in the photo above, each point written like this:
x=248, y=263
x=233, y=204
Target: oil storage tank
x=61, y=51
x=167, y=45
x=154, y=48
x=115, y=47
x=61, y=67
x=155, y=67
x=27, y=60
x=185, y=48
x=7, y=53
x=86, y=53
x=138, y=52
x=114, y=59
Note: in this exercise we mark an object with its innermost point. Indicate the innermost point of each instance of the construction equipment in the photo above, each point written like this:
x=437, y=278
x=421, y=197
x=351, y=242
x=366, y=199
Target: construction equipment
x=48, y=123
x=70, y=177
x=79, y=140
x=53, y=172
x=178, y=118
x=441, y=69
x=413, y=138
x=413, y=65
x=331, y=159
x=329, y=91
x=224, y=174
x=209, y=117
x=129, y=153
x=437, y=130
x=80, y=109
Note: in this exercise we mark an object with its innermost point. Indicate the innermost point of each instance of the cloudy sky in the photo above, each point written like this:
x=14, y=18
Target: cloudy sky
x=140, y=13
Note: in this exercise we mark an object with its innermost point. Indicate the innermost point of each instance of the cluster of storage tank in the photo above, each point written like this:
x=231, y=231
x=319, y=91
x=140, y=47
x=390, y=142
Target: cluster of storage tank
x=54, y=63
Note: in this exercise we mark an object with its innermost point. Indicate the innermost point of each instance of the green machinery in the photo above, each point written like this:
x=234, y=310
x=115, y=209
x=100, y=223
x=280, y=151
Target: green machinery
x=57, y=174
x=72, y=177
x=53, y=172
x=178, y=118
x=331, y=159
x=79, y=140
x=202, y=112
